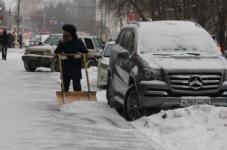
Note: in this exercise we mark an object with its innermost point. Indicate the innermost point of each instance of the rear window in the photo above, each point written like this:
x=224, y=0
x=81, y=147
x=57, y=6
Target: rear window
x=89, y=43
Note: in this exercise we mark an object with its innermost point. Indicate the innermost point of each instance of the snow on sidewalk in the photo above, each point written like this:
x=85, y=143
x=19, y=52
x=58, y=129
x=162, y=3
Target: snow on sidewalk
x=99, y=113
x=30, y=119
x=194, y=128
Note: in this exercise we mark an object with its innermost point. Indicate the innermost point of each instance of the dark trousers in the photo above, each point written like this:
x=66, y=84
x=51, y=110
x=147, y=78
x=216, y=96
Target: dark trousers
x=67, y=80
x=4, y=53
x=21, y=45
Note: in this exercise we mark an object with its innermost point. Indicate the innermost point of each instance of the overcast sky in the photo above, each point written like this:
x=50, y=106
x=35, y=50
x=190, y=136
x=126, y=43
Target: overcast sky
x=14, y=2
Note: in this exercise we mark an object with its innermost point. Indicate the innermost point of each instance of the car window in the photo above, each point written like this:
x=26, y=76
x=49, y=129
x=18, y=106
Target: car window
x=53, y=39
x=131, y=45
x=97, y=43
x=125, y=41
x=89, y=43
x=108, y=50
x=120, y=37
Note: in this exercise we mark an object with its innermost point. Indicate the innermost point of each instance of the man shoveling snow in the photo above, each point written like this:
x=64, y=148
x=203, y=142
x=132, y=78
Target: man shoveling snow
x=71, y=66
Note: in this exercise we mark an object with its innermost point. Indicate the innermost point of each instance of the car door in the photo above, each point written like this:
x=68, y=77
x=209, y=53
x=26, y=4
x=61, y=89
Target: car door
x=120, y=67
x=116, y=70
x=126, y=65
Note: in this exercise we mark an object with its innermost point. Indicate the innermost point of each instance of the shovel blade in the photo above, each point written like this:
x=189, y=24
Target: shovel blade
x=71, y=97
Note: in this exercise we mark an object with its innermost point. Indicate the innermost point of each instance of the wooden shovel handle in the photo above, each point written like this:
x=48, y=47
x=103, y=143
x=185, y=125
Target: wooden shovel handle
x=86, y=72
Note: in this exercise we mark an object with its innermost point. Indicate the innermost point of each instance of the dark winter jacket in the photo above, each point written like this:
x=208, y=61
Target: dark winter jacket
x=4, y=39
x=20, y=38
x=72, y=66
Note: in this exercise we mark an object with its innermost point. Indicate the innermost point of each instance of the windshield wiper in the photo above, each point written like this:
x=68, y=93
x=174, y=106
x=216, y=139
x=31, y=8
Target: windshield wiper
x=163, y=54
x=194, y=54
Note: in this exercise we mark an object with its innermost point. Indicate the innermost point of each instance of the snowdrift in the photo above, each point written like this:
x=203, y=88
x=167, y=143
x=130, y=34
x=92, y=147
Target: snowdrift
x=193, y=128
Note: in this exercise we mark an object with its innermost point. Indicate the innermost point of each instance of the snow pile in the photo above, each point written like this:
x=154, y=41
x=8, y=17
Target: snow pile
x=194, y=128
x=92, y=73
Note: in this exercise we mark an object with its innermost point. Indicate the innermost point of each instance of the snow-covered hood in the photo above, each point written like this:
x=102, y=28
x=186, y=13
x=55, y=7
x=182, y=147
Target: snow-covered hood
x=185, y=63
x=43, y=48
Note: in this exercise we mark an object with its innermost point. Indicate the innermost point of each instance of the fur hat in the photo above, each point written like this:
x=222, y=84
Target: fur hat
x=70, y=28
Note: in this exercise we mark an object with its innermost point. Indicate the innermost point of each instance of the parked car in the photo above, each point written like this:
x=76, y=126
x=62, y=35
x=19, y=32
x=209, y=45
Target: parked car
x=42, y=56
x=43, y=38
x=165, y=64
x=103, y=64
x=94, y=47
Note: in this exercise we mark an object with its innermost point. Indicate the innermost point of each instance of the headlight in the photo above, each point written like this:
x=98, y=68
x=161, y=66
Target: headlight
x=47, y=53
x=149, y=74
x=27, y=52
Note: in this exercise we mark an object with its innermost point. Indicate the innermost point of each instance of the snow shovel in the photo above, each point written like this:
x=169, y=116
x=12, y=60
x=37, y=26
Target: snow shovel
x=64, y=98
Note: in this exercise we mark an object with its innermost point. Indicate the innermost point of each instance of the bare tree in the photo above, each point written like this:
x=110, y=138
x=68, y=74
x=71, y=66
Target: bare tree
x=211, y=14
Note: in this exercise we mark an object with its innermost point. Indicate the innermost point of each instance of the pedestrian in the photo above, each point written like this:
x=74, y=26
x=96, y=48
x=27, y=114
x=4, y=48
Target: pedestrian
x=4, y=40
x=71, y=65
x=20, y=41
x=10, y=40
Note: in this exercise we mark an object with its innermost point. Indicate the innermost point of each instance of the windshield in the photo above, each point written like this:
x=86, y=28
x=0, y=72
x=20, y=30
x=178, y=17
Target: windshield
x=108, y=50
x=53, y=40
x=169, y=44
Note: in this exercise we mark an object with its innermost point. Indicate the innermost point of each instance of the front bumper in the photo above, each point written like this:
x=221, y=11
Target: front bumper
x=156, y=94
x=38, y=61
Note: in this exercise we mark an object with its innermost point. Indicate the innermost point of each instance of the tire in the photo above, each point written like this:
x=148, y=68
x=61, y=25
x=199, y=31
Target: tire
x=132, y=109
x=29, y=68
x=110, y=93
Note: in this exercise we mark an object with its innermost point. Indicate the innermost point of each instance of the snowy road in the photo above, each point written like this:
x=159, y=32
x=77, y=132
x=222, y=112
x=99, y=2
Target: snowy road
x=29, y=119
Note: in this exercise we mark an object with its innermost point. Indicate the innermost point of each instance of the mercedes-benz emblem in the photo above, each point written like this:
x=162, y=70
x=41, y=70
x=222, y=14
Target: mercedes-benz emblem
x=195, y=82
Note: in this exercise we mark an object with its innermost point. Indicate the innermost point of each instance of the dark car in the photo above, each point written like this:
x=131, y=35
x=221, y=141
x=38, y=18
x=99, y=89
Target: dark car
x=165, y=64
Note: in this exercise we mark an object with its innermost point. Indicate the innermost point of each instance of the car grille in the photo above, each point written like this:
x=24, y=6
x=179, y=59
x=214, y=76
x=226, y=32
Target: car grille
x=195, y=82
x=37, y=52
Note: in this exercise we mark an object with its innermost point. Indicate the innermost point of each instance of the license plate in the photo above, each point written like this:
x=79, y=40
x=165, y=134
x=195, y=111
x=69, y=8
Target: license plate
x=190, y=101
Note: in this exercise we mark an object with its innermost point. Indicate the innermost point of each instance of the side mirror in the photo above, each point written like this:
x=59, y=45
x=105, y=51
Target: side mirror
x=123, y=55
x=101, y=51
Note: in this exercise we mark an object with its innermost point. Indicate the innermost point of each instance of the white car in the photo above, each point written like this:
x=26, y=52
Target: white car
x=103, y=64
x=42, y=56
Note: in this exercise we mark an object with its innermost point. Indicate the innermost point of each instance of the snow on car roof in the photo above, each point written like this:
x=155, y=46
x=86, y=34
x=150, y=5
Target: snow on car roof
x=171, y=27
